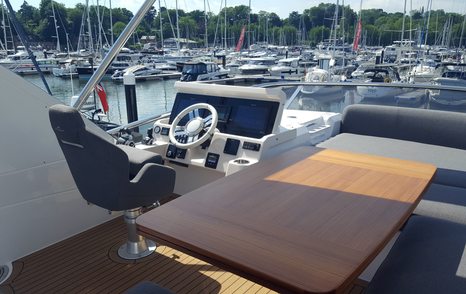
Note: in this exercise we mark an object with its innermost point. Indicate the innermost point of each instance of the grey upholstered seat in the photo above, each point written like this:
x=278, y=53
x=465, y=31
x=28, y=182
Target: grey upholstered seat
x=434, y=127
x=403, y=149
x=110, y=176
x=429, y=136
x=428, y=257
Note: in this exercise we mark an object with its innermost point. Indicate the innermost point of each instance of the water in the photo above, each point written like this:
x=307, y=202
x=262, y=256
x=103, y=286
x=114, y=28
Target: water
x=153, y=97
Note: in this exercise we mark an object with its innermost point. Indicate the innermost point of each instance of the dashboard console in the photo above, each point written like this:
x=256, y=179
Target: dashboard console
x=248, y=124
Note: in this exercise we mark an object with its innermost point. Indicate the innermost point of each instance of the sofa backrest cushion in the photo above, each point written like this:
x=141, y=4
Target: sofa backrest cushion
x=427, y=126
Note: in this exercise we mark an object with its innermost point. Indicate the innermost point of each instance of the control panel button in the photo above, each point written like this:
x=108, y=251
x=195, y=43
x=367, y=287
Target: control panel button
x=180, y=153
x=165, y=131
x=211, y=160
x=171, y=151
x=231, y=146
x=251, y=146
x=157, y=129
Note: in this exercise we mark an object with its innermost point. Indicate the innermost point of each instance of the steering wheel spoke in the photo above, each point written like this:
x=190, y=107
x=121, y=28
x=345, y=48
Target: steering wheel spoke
x=197, y=130
x=180, y=130
x=193, y=138
x=207, y=119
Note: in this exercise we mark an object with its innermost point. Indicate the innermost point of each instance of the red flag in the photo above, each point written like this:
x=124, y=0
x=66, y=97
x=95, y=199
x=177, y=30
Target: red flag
x=358, y=36
x=103, y=96
x=241, y=40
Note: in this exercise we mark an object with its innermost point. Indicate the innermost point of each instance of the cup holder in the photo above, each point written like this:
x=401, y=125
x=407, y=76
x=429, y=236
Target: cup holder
x=241, y=161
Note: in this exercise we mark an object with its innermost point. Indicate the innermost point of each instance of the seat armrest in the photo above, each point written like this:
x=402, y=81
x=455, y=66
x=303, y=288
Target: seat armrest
x=144, y=183
x=138, y=158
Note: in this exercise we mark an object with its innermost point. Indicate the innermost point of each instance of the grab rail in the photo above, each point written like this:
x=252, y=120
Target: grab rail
x=359, y=84
x=138, y=123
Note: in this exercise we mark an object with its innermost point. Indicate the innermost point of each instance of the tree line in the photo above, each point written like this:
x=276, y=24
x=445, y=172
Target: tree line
x=309, y=27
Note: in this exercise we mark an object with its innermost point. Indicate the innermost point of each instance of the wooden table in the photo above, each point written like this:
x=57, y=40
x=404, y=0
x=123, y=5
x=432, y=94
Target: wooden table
x=308, y=221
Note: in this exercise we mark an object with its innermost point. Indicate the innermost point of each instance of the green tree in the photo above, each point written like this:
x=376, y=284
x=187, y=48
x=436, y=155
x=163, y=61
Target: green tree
x=118, y=28
x=318, y=34
x=29, y=17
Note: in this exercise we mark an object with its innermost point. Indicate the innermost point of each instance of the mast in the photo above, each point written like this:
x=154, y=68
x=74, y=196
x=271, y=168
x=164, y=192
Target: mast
x=89, y=28
x=335, y=28
x=403, y=25
x=249, y=25
x=177, y=28
x=206, y=44
x=429, y=6
x=267, y=29
x=225, y=28
x=343, y=22
x=4, y=27
x=56, y=27
x=161, y=30
x=99, y=24
x=111, y=23
x=462, y=31
x=410, y=30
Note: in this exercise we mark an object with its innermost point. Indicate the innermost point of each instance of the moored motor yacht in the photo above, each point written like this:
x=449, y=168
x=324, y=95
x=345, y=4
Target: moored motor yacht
x=202, y=71
x=141, y=72
x=380, y=74
x=46, y=66
x=256, y=65
x=68, y=67
x=455, y=77
x=287, y=67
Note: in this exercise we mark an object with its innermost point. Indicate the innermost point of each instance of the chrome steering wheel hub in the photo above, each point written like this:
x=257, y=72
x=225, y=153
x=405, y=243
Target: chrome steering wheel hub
x=194, y=126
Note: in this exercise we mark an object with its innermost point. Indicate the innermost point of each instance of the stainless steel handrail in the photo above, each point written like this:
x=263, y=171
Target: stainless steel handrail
x=359, y=84
x=138, y=123
x=114, y=50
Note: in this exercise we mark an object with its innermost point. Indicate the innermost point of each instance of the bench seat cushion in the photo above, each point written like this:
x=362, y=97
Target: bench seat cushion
x=444, y=202
x=428, y=257
x=434, y=154
x=442, y=128
x=451, y=169
x=446, y=196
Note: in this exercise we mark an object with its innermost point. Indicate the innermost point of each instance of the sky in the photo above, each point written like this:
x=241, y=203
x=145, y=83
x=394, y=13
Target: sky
x=280, y=7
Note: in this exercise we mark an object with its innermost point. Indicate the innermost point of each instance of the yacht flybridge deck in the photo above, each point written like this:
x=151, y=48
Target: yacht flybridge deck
x=339, y=201
x=249, y=124
x=212, y=134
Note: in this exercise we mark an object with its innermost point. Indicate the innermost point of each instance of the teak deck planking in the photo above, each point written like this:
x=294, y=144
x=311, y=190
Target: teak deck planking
x=88, y=263
x=65, y=268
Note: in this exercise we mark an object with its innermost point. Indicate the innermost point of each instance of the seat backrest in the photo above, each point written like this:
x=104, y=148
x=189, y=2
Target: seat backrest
x=426, y=126
x=99, y=168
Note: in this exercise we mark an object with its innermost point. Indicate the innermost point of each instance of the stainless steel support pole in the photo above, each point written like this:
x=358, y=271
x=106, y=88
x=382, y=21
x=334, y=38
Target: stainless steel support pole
x=119, y=43
x=129, y=80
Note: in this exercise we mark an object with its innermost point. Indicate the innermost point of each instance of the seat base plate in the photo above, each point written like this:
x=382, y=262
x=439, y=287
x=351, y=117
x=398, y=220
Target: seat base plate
x=124, y=253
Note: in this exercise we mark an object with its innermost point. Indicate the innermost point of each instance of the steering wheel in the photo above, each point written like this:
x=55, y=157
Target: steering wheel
x=197, y=130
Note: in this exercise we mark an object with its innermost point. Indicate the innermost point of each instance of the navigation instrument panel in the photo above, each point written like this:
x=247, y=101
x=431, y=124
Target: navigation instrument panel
x=242, y=117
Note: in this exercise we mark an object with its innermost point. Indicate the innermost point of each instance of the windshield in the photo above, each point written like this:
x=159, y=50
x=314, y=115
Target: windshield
x=321, y=97
x=194, y=69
